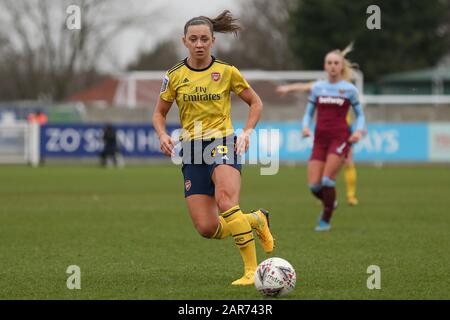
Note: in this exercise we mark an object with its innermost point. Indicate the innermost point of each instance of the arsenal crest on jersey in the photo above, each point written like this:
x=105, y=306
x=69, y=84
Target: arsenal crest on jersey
x=215, y=76
x=188, y=185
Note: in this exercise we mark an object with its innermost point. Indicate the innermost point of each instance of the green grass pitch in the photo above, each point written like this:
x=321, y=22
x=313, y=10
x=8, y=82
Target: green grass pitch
x=130, y=233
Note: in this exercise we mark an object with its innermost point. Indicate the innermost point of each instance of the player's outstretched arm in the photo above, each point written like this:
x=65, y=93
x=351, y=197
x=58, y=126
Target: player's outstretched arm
x=159, y=123
x=295, y=87
x=250, y=97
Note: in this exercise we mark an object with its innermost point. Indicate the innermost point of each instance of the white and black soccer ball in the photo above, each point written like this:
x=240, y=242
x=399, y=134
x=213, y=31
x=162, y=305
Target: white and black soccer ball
x=275, y=277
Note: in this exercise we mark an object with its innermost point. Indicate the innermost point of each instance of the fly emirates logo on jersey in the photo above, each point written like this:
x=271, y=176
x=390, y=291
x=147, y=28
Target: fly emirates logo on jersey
x=331, y=100
x=201, y=94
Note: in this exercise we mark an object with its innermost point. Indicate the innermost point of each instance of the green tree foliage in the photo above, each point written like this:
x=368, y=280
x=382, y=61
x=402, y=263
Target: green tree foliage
x=413, y=34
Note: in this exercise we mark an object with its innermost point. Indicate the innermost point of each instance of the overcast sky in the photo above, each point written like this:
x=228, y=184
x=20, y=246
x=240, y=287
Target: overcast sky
x=171, y=15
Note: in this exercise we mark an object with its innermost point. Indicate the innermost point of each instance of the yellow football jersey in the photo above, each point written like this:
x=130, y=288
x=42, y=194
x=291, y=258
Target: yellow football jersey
x=203, y=97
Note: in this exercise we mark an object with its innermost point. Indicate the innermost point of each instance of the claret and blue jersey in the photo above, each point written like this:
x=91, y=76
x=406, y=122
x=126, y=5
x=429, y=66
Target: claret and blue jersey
x=332, y=101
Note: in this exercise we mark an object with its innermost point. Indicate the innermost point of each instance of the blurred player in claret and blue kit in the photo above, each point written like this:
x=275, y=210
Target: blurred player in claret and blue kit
x=332, y=137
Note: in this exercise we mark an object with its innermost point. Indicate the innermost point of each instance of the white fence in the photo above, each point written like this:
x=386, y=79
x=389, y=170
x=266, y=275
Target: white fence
x=19, y=143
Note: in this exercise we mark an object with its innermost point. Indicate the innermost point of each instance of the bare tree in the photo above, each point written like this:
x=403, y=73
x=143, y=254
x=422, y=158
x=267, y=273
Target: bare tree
x=40, y=56
x=264, y=42
x=162, y=57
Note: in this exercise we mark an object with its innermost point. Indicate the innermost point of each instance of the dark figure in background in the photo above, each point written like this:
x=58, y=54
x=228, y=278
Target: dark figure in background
x=111, y=147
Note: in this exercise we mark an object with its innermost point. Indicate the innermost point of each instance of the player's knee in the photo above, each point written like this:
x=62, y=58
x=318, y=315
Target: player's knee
x=328, y=182
x=206, y=229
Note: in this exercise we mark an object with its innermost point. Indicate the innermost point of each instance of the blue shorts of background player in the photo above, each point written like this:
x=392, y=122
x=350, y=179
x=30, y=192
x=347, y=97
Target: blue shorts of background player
x=201, y=157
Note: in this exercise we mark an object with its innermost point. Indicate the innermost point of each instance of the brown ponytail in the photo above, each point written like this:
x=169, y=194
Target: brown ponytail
x=223, y=23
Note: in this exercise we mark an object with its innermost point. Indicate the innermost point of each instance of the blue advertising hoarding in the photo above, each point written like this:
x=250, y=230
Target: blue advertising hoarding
x=394, y=141
x=383, y=142
x=85, y=140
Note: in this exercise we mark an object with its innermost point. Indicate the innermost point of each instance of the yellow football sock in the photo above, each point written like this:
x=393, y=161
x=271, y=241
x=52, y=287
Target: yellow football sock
x=242, y=233
x=350, y=181
x=223, y=230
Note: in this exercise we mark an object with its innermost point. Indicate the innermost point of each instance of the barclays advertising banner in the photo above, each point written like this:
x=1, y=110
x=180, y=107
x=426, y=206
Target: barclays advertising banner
x=383, y=142
x=394, y=141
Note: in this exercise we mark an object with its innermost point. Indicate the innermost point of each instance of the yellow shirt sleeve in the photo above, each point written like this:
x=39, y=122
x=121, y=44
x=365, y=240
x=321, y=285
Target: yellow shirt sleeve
x=349, y=118
x=167, y=91
x=238, y=83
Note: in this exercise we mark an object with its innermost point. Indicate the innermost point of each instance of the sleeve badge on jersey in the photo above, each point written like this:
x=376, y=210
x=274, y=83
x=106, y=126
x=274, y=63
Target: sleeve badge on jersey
x=165, y=83
x=215, y=76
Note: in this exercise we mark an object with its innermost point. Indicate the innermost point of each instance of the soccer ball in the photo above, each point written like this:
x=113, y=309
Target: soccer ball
x=275, y=277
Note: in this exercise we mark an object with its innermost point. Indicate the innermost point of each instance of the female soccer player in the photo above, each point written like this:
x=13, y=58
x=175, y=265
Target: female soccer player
x=201, y=86
x=350, y=175
x=333, y=137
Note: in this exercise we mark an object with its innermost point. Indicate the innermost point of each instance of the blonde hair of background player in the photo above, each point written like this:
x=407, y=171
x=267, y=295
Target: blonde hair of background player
x=346, y=74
